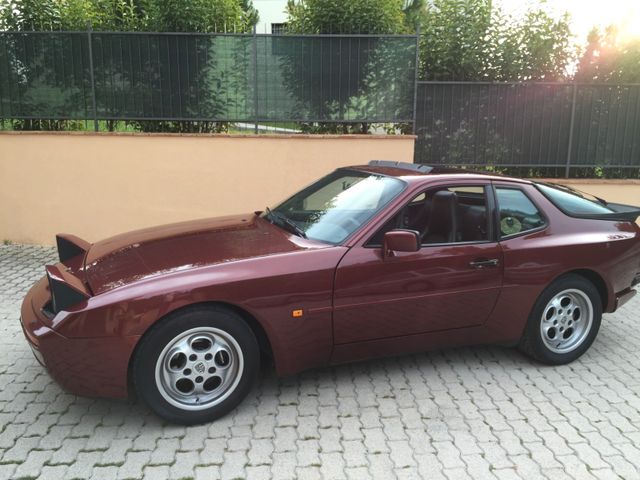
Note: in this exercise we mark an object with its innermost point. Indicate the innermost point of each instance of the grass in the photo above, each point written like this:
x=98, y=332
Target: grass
x=71, y=126
x=124, y=126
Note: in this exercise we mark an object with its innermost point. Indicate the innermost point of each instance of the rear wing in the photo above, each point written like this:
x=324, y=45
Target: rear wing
x=621, y=213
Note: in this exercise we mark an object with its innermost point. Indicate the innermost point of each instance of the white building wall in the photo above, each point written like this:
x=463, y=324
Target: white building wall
x=271, y=11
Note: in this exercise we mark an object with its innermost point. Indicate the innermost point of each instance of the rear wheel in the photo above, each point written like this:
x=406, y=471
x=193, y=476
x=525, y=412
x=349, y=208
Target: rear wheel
x=196, y=365
x=564, y=321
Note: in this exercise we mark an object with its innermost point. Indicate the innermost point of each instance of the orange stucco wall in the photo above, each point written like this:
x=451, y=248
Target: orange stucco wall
x=97, y=185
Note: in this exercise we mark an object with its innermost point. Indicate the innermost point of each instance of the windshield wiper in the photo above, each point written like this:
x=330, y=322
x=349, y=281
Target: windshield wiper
x=285, y=222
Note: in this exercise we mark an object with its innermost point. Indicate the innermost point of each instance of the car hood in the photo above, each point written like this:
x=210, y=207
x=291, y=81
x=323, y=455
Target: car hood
x=141, y=254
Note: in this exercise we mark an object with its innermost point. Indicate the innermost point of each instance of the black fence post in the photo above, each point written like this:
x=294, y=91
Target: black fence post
x=255, y=78
x=92, y=77
x=415, y=79
x=571, y=124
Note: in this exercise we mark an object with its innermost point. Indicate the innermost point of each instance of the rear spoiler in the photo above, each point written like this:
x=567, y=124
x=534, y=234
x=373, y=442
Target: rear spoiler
x=70, y=246
x=621, y=213
x=66, y=289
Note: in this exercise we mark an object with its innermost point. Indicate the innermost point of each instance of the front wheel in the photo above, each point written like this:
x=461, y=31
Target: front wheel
x=564, y=321
x=196, y=365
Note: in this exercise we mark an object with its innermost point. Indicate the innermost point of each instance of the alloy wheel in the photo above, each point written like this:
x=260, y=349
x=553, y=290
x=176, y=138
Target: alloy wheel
x=566, y=321
x=199, y=368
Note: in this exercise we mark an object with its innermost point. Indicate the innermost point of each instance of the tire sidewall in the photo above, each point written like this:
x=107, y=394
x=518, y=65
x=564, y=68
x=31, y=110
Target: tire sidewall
x=533, y=334
x=161, y=333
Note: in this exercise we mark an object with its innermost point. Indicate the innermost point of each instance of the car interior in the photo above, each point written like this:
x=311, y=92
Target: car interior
x=447, y=215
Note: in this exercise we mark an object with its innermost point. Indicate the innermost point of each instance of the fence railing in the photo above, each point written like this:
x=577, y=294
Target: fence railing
x=207, y=77
x=535, y=128
x=558, y=129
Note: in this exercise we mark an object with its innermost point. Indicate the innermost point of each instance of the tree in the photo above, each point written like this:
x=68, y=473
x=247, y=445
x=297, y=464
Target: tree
x=204, y=16
x=129, y=15
x=471, y=40
x=453, y=45
x=414, y=11
x=339, y=16
x=533, y=47
x=350, y=74
x=609, y=59
x=213, y=65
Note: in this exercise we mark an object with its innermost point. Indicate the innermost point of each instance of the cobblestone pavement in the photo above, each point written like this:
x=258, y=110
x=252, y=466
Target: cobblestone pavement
x=483, y=412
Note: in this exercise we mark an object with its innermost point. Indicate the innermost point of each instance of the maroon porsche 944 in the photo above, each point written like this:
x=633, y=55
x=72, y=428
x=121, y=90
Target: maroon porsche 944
x=372, y=260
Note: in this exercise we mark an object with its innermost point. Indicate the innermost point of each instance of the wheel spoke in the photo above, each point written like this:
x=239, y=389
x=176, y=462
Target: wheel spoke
x=173, y=377
x=199, y=390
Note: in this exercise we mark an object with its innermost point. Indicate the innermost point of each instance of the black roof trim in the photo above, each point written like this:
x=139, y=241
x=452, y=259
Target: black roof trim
x=413, y=167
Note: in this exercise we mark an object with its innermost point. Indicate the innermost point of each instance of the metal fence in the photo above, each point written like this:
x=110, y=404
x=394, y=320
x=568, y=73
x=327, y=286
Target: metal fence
x=556, y=129
x=207, y=77
x=549, y=129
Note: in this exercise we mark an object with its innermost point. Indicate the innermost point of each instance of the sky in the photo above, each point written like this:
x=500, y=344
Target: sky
x=625, y=14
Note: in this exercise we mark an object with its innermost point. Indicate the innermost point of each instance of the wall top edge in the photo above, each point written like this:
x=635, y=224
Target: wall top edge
x=590, y=181
x=215, y=135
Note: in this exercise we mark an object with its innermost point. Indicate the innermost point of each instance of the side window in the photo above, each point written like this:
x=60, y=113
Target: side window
x=443, y=215
x=518, y=214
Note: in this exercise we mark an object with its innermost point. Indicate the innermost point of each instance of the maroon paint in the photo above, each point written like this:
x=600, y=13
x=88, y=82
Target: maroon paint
x=356, y=303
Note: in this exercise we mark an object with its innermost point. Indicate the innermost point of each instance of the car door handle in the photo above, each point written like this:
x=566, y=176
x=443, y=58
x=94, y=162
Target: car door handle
x=484, y=263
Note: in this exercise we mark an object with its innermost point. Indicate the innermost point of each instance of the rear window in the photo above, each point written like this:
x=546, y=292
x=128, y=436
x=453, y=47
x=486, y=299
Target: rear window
x=572, y=202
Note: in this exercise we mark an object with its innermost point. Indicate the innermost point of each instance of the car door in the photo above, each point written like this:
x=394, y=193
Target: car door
x=452, y=282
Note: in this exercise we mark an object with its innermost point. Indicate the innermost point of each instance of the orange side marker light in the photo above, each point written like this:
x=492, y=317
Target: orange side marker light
x=297, y=313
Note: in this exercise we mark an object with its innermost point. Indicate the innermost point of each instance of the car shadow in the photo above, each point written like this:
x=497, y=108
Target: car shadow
x=376, y=379
x=368, y=383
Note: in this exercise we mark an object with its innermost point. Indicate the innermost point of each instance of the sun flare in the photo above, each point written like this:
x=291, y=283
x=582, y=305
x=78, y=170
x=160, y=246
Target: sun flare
x=624, y=15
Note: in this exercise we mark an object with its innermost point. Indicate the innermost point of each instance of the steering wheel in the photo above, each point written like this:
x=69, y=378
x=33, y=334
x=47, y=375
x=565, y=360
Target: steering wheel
x=510, y=225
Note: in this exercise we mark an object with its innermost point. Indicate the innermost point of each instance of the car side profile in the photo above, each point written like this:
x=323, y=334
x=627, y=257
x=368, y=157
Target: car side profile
x=379, y=259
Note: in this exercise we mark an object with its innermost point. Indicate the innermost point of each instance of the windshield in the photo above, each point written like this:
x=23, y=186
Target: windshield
x=573, y=201
x=334, y=207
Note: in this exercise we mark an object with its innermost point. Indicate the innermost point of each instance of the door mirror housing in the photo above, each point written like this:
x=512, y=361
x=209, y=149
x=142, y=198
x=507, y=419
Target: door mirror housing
x=400, y=240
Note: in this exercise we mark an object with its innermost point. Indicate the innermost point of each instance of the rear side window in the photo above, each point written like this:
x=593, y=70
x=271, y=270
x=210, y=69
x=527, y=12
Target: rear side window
x=518, y=214
x=572, y=202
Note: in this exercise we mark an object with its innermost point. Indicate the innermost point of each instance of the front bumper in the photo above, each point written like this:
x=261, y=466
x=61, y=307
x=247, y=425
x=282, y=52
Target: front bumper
x=87, y=366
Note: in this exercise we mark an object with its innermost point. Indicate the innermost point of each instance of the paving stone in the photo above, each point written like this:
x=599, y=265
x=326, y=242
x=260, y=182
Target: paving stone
x=475, y=412
x=32, y=466
x=332, y=465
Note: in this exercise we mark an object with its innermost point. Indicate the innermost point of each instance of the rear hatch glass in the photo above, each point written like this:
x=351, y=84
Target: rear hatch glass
x=583, y=205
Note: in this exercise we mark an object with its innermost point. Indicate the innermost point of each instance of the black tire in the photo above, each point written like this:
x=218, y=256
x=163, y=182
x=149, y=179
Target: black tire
x=207, y=319
x=533, y=343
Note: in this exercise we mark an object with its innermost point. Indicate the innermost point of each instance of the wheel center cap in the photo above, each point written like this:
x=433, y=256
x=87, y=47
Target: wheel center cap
x=199, y=367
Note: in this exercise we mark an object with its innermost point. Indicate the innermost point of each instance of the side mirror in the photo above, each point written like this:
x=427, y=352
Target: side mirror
x=400, y=241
